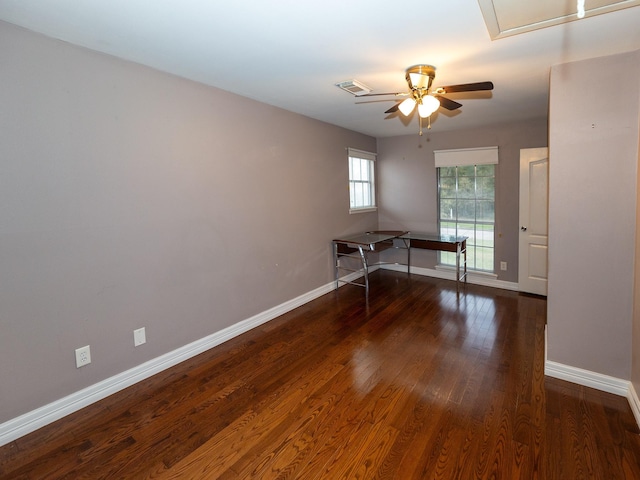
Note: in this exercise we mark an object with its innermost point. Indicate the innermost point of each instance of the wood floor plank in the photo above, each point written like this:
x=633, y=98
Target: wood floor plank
x=414, y=381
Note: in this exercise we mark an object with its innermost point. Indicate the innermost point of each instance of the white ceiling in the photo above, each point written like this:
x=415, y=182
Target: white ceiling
x=291, y=53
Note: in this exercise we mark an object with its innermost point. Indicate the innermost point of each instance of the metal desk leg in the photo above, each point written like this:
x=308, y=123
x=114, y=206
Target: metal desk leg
x=336, y=259
x=365, y=267
x=458, y=248
x=461, y=249
x=465, y=263
x=407, y=245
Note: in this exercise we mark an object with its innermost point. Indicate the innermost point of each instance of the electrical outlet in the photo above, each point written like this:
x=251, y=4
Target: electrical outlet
x=503, y=266
x=139, y=337
x=83, y=356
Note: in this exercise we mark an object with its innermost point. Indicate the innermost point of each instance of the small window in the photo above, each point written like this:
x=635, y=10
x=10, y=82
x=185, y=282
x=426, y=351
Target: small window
x=362, y=195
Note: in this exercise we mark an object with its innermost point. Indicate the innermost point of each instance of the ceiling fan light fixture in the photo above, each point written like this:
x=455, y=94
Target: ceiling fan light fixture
x=407, y=106
x=428, y=105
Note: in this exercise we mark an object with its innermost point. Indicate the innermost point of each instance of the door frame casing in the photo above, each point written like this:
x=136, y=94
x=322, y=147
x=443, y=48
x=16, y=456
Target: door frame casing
x=536, y=284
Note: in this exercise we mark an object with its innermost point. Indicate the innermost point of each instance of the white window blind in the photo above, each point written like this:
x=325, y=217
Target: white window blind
x=361, y=154
x=466, y=156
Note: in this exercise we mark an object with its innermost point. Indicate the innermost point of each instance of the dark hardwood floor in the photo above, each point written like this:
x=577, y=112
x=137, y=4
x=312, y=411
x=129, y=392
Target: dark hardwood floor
x=415, y=383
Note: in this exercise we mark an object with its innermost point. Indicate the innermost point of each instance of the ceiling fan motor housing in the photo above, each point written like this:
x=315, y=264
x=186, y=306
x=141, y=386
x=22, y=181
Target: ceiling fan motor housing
x=420, y=77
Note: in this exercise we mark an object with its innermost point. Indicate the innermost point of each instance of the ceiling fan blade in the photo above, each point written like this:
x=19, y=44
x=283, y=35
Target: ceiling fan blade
x=447, y=103
x=397, y=94
x=467, y=87
x=394, y=108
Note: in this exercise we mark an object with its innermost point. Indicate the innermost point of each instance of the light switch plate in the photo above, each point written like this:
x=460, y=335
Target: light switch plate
x=139, y=337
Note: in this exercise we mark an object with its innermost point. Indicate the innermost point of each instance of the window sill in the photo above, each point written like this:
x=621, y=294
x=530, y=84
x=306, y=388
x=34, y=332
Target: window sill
x=363, y=210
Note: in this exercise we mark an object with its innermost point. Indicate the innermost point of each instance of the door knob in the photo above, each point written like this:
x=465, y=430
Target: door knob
x=524, y=229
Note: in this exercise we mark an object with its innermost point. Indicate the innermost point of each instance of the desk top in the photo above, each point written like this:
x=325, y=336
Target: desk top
x=371, y=238
x=433, y=237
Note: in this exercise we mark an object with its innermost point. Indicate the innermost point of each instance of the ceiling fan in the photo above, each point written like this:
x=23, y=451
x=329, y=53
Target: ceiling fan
x=428, y=99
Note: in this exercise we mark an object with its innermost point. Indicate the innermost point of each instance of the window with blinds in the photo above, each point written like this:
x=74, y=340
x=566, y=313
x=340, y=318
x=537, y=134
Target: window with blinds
x=362, y=196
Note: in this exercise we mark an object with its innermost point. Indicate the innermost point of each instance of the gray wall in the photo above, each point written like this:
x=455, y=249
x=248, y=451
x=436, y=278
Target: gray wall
x=635, y=342
x=133, y=198
x=593, y=165
x=408, y=193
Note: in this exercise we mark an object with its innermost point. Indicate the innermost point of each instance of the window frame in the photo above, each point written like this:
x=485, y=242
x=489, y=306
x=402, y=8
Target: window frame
x=367, y=184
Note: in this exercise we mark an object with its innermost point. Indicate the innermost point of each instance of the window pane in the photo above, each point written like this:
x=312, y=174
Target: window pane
x=485, y=211
x=448, y=187
x=353, y=193
x=466, y=171
x=484, y=258
x=366, y=194
x=467, y=210
x=360, y=196
x=484, y=235
x=466, y=187
x=447, y=172
x=448, y=228
x=485, y=170
x=355, y=171
x=449, y=258
x=466, y=207
x=471, y=258
x=467, y=230
x=364, y=170
x=485, y=187
x=448, y=209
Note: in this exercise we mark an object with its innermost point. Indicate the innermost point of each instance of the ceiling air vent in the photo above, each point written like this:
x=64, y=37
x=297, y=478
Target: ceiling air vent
x=354, y=87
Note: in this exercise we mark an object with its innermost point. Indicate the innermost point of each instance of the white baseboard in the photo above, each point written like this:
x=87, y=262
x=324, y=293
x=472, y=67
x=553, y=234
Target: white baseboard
x=587, y=378
x=634, y=402
x=476, y=279
x=601, y=382
x=31, y=421
x=591, y=379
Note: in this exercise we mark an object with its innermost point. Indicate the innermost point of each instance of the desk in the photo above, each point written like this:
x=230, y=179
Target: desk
x=361, y=245
x=443, y=243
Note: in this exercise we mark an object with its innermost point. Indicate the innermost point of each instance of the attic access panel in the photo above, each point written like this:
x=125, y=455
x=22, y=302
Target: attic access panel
x=507, y=17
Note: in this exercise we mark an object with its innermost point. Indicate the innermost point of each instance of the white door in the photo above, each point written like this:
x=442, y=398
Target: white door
x=534, y=207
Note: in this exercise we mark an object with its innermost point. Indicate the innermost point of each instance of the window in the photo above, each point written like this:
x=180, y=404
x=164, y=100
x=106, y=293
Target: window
x=362, y=193
x=466, y=203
